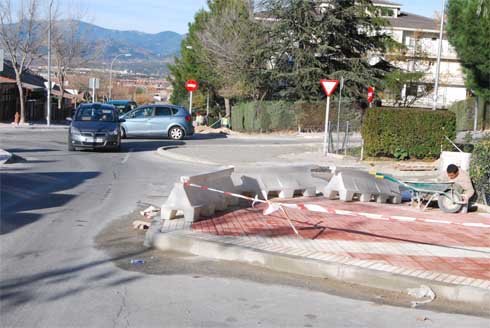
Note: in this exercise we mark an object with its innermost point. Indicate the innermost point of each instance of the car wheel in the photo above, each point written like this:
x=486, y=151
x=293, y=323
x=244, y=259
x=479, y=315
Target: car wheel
x=123, y=133
x=176, y=133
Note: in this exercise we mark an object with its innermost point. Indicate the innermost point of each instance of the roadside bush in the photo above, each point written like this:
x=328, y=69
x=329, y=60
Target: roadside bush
x=270, y=116
x=480, y=167
x=407, y=133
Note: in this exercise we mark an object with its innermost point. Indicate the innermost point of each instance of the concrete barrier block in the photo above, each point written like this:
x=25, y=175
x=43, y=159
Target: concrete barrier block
x=193, y=202
x=283, y=181
x=349, y=184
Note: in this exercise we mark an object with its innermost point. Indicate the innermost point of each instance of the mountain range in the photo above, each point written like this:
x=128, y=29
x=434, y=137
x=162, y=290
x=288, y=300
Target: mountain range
x=150, y=53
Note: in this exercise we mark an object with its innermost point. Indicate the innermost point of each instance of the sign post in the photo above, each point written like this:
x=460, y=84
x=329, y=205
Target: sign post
x=370, y=97
x=329, y=87
x=94, y=84
x=1, y=60
x=191, y=86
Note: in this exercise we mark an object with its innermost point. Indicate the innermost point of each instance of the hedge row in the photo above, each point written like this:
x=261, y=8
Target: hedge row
x=480, y=168
x=269, y=116
x=407, y=133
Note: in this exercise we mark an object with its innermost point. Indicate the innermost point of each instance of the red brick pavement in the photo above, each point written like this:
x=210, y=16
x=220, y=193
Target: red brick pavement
x=344, y=228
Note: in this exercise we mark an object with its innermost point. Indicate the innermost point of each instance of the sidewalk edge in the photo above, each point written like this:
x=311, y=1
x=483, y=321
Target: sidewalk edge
x=184, y=241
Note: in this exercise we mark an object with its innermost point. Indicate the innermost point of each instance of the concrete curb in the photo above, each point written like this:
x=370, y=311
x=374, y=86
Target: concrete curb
x=365, y=273
x=166, y=153
x=5, y=156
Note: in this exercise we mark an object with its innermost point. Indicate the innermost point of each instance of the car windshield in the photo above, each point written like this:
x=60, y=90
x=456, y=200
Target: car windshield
x=95, y=114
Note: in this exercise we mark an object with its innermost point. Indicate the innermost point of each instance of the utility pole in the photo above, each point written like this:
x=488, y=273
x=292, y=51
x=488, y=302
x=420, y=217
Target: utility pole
x=110, y=73
x=48, y=118
x=439, y=51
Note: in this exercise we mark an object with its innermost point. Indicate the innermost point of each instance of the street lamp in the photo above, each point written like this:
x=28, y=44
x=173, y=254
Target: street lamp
x=439, y=50
x=48, y=118
x=110, y=73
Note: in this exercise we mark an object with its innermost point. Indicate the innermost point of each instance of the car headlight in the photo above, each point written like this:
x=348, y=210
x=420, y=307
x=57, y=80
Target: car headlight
x=115, y=132
x=74, y=130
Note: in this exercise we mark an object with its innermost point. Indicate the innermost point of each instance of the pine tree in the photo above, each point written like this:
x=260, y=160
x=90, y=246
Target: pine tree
x=469, y=32
x=312, y=40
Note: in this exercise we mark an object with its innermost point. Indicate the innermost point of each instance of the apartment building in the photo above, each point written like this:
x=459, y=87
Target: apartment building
x=420, y=36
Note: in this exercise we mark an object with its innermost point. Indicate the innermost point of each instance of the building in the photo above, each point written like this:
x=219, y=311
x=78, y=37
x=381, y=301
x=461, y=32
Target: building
x=35, y=93
x=420, y=36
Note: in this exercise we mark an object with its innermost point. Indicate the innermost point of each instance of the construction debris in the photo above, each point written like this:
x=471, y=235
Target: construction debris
x=422, y=292
x=150, y=212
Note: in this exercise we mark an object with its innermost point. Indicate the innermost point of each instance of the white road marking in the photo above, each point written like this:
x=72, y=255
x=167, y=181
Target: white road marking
x=125, y=159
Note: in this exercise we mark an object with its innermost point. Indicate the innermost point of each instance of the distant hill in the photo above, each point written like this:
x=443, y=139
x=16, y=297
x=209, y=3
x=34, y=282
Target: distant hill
x=150, y=53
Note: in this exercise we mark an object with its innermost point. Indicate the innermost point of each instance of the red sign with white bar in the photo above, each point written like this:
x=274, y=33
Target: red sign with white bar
x=329, y=86
x=370, y=94
x=191, y=85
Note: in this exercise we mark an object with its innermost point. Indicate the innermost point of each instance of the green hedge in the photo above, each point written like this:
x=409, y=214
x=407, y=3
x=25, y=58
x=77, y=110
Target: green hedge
x=407, y=133
x=480, y=167
x=269, y=116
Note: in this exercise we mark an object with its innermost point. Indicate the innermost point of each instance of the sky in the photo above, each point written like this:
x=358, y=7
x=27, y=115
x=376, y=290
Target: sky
x=153, y=16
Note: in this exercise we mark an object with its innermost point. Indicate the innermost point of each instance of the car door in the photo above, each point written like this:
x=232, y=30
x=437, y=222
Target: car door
x=161, y=120
x=138, y=121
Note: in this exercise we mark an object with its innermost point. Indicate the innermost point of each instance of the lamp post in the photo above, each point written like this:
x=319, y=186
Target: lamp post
x=110, y=73
x=439, y=50
x=48, y=117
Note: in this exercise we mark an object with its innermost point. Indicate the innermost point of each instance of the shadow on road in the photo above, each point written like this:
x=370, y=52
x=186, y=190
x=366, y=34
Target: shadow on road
x=17, y=291
x=23, y=193
x=139, y=145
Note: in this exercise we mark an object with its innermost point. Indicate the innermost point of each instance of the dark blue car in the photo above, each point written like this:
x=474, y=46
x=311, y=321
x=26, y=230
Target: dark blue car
x=158, y=121
x=95, y=126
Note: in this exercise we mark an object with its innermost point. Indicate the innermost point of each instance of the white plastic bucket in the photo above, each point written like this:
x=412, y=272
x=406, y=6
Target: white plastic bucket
x=461, y=160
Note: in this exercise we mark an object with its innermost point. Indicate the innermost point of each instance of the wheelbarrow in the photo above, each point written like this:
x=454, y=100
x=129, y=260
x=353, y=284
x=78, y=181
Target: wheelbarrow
x=446, y=194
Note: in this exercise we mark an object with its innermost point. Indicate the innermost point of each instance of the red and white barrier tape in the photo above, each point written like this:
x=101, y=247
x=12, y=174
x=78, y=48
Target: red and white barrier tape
x=274, y=207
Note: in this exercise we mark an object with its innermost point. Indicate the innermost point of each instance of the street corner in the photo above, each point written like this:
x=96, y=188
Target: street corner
x=380, y=245
x=5, y=156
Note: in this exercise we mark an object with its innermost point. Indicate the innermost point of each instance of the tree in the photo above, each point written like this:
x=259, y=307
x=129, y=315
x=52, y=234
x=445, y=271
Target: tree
x=19, y=36
x=69, y=48
x=228, y=41
x=190, y=66
x=468, y=31
x=311, y=41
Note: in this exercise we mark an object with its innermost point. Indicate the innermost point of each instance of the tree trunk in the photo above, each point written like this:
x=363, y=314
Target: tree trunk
x=61, y=103
x=227, y=107
x=22, y=102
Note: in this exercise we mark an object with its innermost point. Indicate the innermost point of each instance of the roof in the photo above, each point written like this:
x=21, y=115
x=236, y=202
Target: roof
x=412, y=21
x=29, y=79
x=385, y=2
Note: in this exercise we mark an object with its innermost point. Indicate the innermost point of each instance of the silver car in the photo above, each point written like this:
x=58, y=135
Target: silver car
x=95, y=126
x=158, y=121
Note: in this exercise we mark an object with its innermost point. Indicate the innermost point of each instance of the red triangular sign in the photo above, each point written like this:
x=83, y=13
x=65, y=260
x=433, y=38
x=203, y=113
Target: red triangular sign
x=329, y=86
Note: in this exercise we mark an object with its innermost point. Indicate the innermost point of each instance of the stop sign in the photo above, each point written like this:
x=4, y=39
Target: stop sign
x=370, y=94
x=191, y=85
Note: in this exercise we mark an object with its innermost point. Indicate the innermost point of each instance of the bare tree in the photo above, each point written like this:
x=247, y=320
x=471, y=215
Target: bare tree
x=19, y=37
x=225, y=39
x=70, y=48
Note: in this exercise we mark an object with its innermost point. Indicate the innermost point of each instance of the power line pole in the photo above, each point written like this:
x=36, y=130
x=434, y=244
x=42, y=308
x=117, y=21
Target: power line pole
x=439, y=51
x=48, y=118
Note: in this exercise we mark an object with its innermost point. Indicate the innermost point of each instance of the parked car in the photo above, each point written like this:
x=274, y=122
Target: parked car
x=158, y=121
x=94, y=126
x=123, y=106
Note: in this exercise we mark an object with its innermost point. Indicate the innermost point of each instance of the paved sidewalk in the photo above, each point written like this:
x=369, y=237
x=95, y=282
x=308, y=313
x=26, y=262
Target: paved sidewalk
x=439, y=251
x=437, y=246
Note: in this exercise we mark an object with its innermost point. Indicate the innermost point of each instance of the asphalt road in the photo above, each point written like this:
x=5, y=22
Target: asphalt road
x=53, y=205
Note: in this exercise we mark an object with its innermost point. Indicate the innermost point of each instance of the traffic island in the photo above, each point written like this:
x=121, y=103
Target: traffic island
x=389, y=247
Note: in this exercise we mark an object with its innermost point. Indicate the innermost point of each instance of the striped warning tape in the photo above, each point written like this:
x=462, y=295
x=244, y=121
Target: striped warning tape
x=274, y=207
